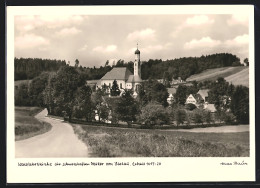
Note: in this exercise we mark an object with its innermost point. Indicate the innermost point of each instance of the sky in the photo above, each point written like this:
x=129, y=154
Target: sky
x=94, y=39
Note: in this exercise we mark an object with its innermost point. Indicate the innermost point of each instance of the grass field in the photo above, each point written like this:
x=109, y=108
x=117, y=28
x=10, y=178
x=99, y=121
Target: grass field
x=240, y=78
x=213, y=74
x=26, y=125
x=118, y=142
x=19, y=82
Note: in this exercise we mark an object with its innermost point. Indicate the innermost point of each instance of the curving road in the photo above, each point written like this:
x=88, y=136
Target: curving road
x=60, y=141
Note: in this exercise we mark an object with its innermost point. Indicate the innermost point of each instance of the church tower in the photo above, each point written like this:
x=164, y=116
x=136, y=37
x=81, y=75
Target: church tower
x=137, y=63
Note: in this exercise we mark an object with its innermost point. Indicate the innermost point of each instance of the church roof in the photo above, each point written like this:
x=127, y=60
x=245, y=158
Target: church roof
x=137, y=51
x=117, y=73
x=134, y=79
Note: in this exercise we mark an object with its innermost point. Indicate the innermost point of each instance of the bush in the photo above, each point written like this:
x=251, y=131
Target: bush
x=190, y=106
x=153, y=114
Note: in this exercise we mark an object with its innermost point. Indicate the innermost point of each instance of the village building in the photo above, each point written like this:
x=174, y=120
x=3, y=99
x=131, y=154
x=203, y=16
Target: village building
x=125, y=78
x=171, y=92
x=201, y=99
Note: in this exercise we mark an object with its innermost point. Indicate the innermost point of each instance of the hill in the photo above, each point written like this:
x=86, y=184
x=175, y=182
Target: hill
x=236, y=75
x=240, y=78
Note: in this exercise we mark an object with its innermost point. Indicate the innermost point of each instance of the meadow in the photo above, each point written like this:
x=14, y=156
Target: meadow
x=213, y=74
x=125, y=142
x=26, y=125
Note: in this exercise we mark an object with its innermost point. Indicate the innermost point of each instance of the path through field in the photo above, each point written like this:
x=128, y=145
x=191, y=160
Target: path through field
x=60, y=141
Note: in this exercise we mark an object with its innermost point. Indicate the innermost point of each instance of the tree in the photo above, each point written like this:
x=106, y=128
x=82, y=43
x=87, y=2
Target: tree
x=160, y=94
x=76, y=63
x=240, y=104
x=36, y=89
x=115, y=89
x=190, y=106
x=153, y=114
x=22, y=96
x=104, y=113
x=219, y=94
x=246, y=61
x=127, y=108
x=180, y=95
x=155, y=92
x=179, y=116
x=66, y=84
x=83, y=102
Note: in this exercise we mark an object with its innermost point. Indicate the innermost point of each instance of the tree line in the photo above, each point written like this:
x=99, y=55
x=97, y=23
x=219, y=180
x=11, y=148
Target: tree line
x=28, y=68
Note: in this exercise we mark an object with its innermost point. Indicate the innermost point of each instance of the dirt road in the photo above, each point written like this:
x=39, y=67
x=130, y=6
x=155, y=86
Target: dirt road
x=60, y=141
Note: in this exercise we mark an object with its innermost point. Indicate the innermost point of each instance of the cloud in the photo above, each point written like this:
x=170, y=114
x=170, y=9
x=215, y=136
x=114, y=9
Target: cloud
x=68, y=32
x=54, y=21
x=194, y=21
x=26, y=23
x=237, y=19
x=147, y=33
x=205, y=42
x=238, y=40
x=83, y=48
x=199, y=20
x=30, y=41
x=109, y=48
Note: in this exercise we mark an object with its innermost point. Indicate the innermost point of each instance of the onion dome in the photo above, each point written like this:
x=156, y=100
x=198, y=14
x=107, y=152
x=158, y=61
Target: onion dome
x=137, y=51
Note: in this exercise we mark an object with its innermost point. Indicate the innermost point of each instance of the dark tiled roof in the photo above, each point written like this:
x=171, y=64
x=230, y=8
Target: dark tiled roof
x=117, y=73
x=134, y=79
x=197, y=97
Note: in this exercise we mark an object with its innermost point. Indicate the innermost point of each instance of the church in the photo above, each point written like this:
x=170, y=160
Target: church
x=125, y=78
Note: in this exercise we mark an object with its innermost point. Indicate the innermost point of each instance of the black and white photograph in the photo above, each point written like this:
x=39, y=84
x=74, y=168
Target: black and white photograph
x=135, y=85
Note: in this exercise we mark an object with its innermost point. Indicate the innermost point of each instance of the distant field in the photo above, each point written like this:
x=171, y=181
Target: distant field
x=19, y=82
x=213, y=74
x=118, y=142
x=26, y=125
x=240, y=78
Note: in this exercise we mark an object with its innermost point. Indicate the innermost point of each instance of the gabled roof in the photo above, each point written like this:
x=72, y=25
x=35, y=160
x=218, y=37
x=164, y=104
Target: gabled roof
x=134, y=79
x=211, y=108
x=197, y=97
x=203, y=93
x=171, y=90
x=117, y=73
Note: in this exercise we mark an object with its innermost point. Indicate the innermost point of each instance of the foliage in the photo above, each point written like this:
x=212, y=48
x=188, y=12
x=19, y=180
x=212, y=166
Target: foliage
x=83, y=102
x=179, y=116
x=155, y=92
x=240, y=104
x=153, y=114
x=21, y=96
x=65, y=85
x=127, y=108
x=190, y=106
x=37, y=87
x=181, y=94
x=115, y=89
x=29, y=68
x=246, y=61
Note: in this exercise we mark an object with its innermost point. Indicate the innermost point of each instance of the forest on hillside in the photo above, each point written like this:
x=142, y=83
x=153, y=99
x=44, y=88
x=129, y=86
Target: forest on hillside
x=29, y=68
